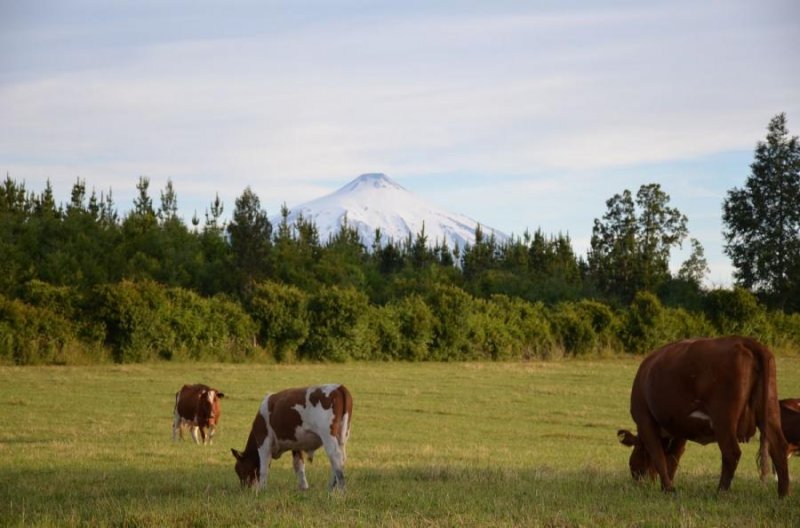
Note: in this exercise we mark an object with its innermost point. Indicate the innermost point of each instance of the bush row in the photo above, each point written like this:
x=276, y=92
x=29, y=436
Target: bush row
x=131, y=322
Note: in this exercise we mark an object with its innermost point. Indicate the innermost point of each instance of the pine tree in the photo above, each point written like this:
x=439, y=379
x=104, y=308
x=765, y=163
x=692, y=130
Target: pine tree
x=168, y=212
x=762, y=220
x=251, y=241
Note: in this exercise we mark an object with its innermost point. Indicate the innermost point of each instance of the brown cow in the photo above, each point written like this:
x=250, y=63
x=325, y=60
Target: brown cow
x=790, y=424
x=197, y=406
x=704, y=390
x=300, y=421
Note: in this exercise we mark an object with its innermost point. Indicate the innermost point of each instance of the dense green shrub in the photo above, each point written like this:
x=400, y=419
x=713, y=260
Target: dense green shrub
x=527, y=326
x=69, y=303
x=338, y=325
x=231, y=331
x=650, y=325
x=785, y=331
x=135, y=330
x=383, y=339
x=415, y=322
x=573, y=330
x=452, y=308
x=30, y=335
x=282, y=315
x=134, y=321
x=490, y=335
x=146, y=321
x=737, y=311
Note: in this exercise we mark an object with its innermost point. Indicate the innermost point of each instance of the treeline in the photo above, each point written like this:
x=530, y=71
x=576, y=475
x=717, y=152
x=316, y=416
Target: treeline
x=78, y=284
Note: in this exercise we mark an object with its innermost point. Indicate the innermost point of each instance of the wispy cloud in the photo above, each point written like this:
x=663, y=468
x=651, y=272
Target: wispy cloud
x=542, y=101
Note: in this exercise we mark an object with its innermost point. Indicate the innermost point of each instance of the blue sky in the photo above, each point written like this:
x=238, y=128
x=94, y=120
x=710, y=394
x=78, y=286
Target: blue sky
x=518, y=114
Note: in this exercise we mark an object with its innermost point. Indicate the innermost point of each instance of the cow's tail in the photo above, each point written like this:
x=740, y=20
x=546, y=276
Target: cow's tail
x=768, y=418
x=176, y=419
x=347, y=417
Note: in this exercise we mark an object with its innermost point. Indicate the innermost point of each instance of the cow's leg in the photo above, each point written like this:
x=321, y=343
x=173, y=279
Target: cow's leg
x=176, y=426
x=334, y=451
x=778, y=450
x=264, y=460
x=725, y=428
x=764, y=465
x=674, y=452
x=211, y=430
x=649, y=435
x=731, y=453
x=300, y=469
x=194, y=433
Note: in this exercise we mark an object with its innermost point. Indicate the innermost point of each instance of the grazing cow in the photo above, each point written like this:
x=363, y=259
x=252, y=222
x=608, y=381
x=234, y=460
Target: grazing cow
x=297, y=420
x=197, y=406
x=704, y=390
x=790, y=424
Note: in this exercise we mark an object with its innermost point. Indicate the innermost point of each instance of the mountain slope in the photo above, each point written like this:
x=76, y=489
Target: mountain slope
x=374, y=201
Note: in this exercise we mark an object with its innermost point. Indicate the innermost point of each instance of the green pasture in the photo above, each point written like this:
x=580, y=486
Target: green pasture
x=433, y=444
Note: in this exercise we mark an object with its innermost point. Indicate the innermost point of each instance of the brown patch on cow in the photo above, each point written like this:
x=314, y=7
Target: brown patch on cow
x=283, y=417
x=318, y=398
x=188, y=400
x=337, y=402
x=259, y=430
x=248, y=465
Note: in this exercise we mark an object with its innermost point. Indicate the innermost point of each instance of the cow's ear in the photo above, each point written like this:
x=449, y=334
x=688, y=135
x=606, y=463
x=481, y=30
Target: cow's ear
x=236, y=454
x=627, y=438
x=220, y=395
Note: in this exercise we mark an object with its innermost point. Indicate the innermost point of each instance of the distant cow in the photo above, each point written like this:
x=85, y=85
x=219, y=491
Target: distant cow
x=704, y=390
x=790, y=424
x=297, y=420
x=197, y=406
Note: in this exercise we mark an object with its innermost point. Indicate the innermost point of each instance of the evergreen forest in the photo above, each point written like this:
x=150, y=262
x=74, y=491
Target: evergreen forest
x=80, y=283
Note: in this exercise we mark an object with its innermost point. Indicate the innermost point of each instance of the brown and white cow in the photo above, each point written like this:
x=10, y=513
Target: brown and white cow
x=705, y=390
x=298, y=420
x=197, y=406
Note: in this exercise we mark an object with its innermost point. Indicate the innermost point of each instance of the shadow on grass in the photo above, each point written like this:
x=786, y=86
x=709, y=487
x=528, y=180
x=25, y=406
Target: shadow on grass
x=416, y=493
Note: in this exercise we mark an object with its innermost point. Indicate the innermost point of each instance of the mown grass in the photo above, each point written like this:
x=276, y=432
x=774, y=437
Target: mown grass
x=460, y=444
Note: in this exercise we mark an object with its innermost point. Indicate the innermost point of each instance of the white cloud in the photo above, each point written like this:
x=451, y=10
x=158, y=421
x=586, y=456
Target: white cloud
x=293, y=107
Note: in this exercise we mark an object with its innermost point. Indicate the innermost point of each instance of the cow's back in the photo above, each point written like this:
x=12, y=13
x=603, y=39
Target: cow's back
x=301, y=418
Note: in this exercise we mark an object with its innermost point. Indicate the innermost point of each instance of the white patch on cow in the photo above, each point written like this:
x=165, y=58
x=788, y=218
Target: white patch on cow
x=210, y=395
x=700, y=415
x=327, y=389
x=344, y=434
x=264, y=411
x=315, y=417
x=345, y=428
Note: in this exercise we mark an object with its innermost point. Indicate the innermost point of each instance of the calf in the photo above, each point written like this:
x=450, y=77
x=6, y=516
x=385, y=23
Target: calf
x=298, y=420
x=197, y=406
x=705, y=390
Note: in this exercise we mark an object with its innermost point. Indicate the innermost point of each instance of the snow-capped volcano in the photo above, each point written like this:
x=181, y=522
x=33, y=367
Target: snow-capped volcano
x=375, y=201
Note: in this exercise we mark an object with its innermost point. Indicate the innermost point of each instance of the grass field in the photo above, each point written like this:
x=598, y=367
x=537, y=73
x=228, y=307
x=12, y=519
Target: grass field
x=461, y=444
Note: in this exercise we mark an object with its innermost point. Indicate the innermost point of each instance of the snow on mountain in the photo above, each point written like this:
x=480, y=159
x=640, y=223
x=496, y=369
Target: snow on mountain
x=374, y=201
